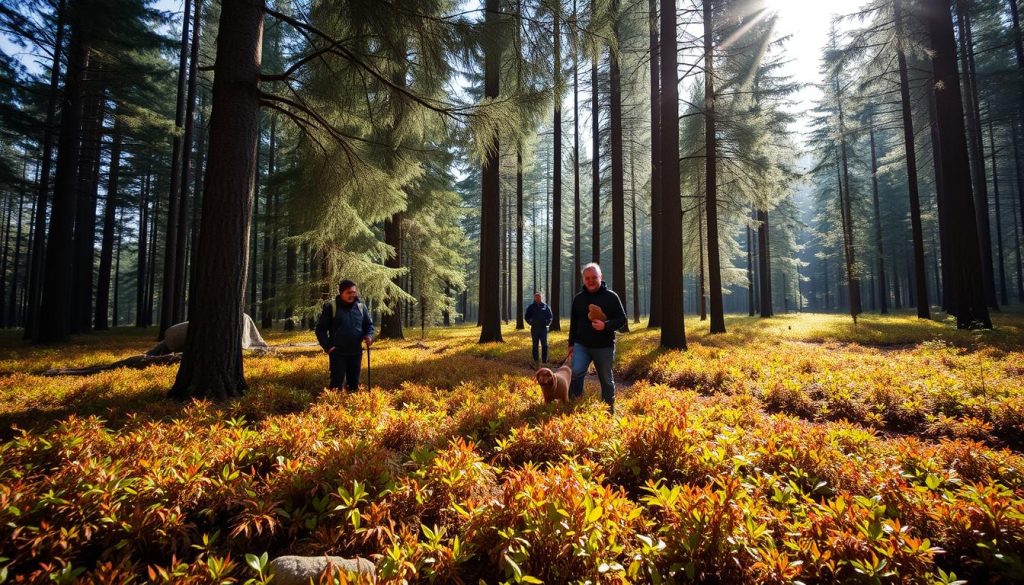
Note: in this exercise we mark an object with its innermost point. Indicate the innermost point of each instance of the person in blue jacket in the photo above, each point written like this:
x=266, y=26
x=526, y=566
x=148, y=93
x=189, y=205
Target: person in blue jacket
x=539, y=316
x=343, y=327
x=594, y=341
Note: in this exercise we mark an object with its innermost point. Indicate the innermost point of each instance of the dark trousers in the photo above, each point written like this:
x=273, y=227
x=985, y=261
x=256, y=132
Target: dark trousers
x=540, y=336
x=345, y=368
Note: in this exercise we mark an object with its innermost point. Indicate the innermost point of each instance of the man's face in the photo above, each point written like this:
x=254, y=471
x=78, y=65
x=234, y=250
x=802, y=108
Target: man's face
x=349, y=294
x=536, y=298
x=591, y=279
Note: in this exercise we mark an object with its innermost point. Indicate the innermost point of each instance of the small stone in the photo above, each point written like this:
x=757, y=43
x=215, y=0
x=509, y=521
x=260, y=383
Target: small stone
x=297, y=570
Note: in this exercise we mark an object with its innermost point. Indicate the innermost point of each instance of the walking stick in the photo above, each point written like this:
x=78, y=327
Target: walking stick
x=369, y=380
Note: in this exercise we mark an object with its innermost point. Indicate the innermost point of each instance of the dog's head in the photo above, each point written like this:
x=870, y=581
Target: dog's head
x=545, y=377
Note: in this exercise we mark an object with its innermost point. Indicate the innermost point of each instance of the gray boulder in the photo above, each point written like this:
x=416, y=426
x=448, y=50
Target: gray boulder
x=296, y=570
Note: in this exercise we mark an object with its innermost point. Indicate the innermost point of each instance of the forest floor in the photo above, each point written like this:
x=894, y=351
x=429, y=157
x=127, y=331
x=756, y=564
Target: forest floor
x=798, y=447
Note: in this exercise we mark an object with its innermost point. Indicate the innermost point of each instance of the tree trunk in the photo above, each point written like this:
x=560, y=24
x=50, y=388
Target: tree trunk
x=1017, y=248
x=618, y=175
x=764, y=265
x=12, y=306
x=109, y=225
x=143, y=253
x=85, y=217
x=38, y=255
x=969, y=303
x=391, y=320
x=519, y=238
x=654, y=318
x=1018, y=218
x=211, y=366
x=490, y=206
x=701, y=282
x=634, y=263
x=117, y=269
x=197, y=196
x=673, y=332
x=577, y=251
x=181, y=255
x=711, y=176
x=883, y=287
x=595, y=162
x=269, y=225
x=555, y=292
x=845, y=204
x=923, y=311
x=976, y=152
x=56, y=289
x=999, y=222
x=941, y=204
x=750, y=272
x=6, y=213
x=167, y=291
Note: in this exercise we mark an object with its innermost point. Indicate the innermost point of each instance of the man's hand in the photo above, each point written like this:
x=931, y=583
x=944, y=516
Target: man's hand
x=597, y=325
x=368, y=340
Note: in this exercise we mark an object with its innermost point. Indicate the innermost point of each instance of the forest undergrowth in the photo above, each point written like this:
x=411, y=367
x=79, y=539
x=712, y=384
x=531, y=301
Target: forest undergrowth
x=801, y=448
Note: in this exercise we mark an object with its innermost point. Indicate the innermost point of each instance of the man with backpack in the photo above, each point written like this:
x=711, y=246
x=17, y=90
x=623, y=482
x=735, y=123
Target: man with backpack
x=343, y=326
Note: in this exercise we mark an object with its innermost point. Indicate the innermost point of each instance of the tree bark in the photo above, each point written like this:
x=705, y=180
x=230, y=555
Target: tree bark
x=883, y=287
x=969, y=303
x=181, y=255
x=654, y=319
x=56, y=283
x=211, y=366
x=845, y=197
x=999, y=222
x=555, y=292
x=143, y=253
x=618, y=175
x=750, y=272
x=85, y=217
x=391, y=320
x=490, y=210
x=38, y=254
x=109, y=225
x=595, y=161
x=923, y=311
x=764, y=265
x=519, y=238
x=711, y=176
x=941, y=204
x=269, y=225
x=976, y=152
x=577, y=250
x=673, y=332
x=167, y=291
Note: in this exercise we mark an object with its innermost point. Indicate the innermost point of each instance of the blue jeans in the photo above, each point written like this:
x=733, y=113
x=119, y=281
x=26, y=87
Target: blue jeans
x=540, y=336
x=602, y=358
x=345, y=368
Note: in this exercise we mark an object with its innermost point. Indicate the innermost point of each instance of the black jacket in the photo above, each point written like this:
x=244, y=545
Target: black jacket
x=539, y=316
x=345, y=328
x=580, y=329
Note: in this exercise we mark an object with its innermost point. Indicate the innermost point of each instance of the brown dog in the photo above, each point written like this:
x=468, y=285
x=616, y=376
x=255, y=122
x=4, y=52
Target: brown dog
x=554, y=385
x=594, y=313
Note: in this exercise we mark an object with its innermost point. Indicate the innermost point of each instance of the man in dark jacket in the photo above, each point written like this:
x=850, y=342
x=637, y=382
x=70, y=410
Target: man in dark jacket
x=343, y=326
x=539, y=316
x=594, y=340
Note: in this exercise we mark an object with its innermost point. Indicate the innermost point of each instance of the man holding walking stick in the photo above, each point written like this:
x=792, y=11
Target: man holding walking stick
x=344, y=325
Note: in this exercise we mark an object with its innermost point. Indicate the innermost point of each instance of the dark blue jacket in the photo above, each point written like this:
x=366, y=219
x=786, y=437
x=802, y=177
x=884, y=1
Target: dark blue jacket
x=345, y=328
x=539, y=316
x=580, y=329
